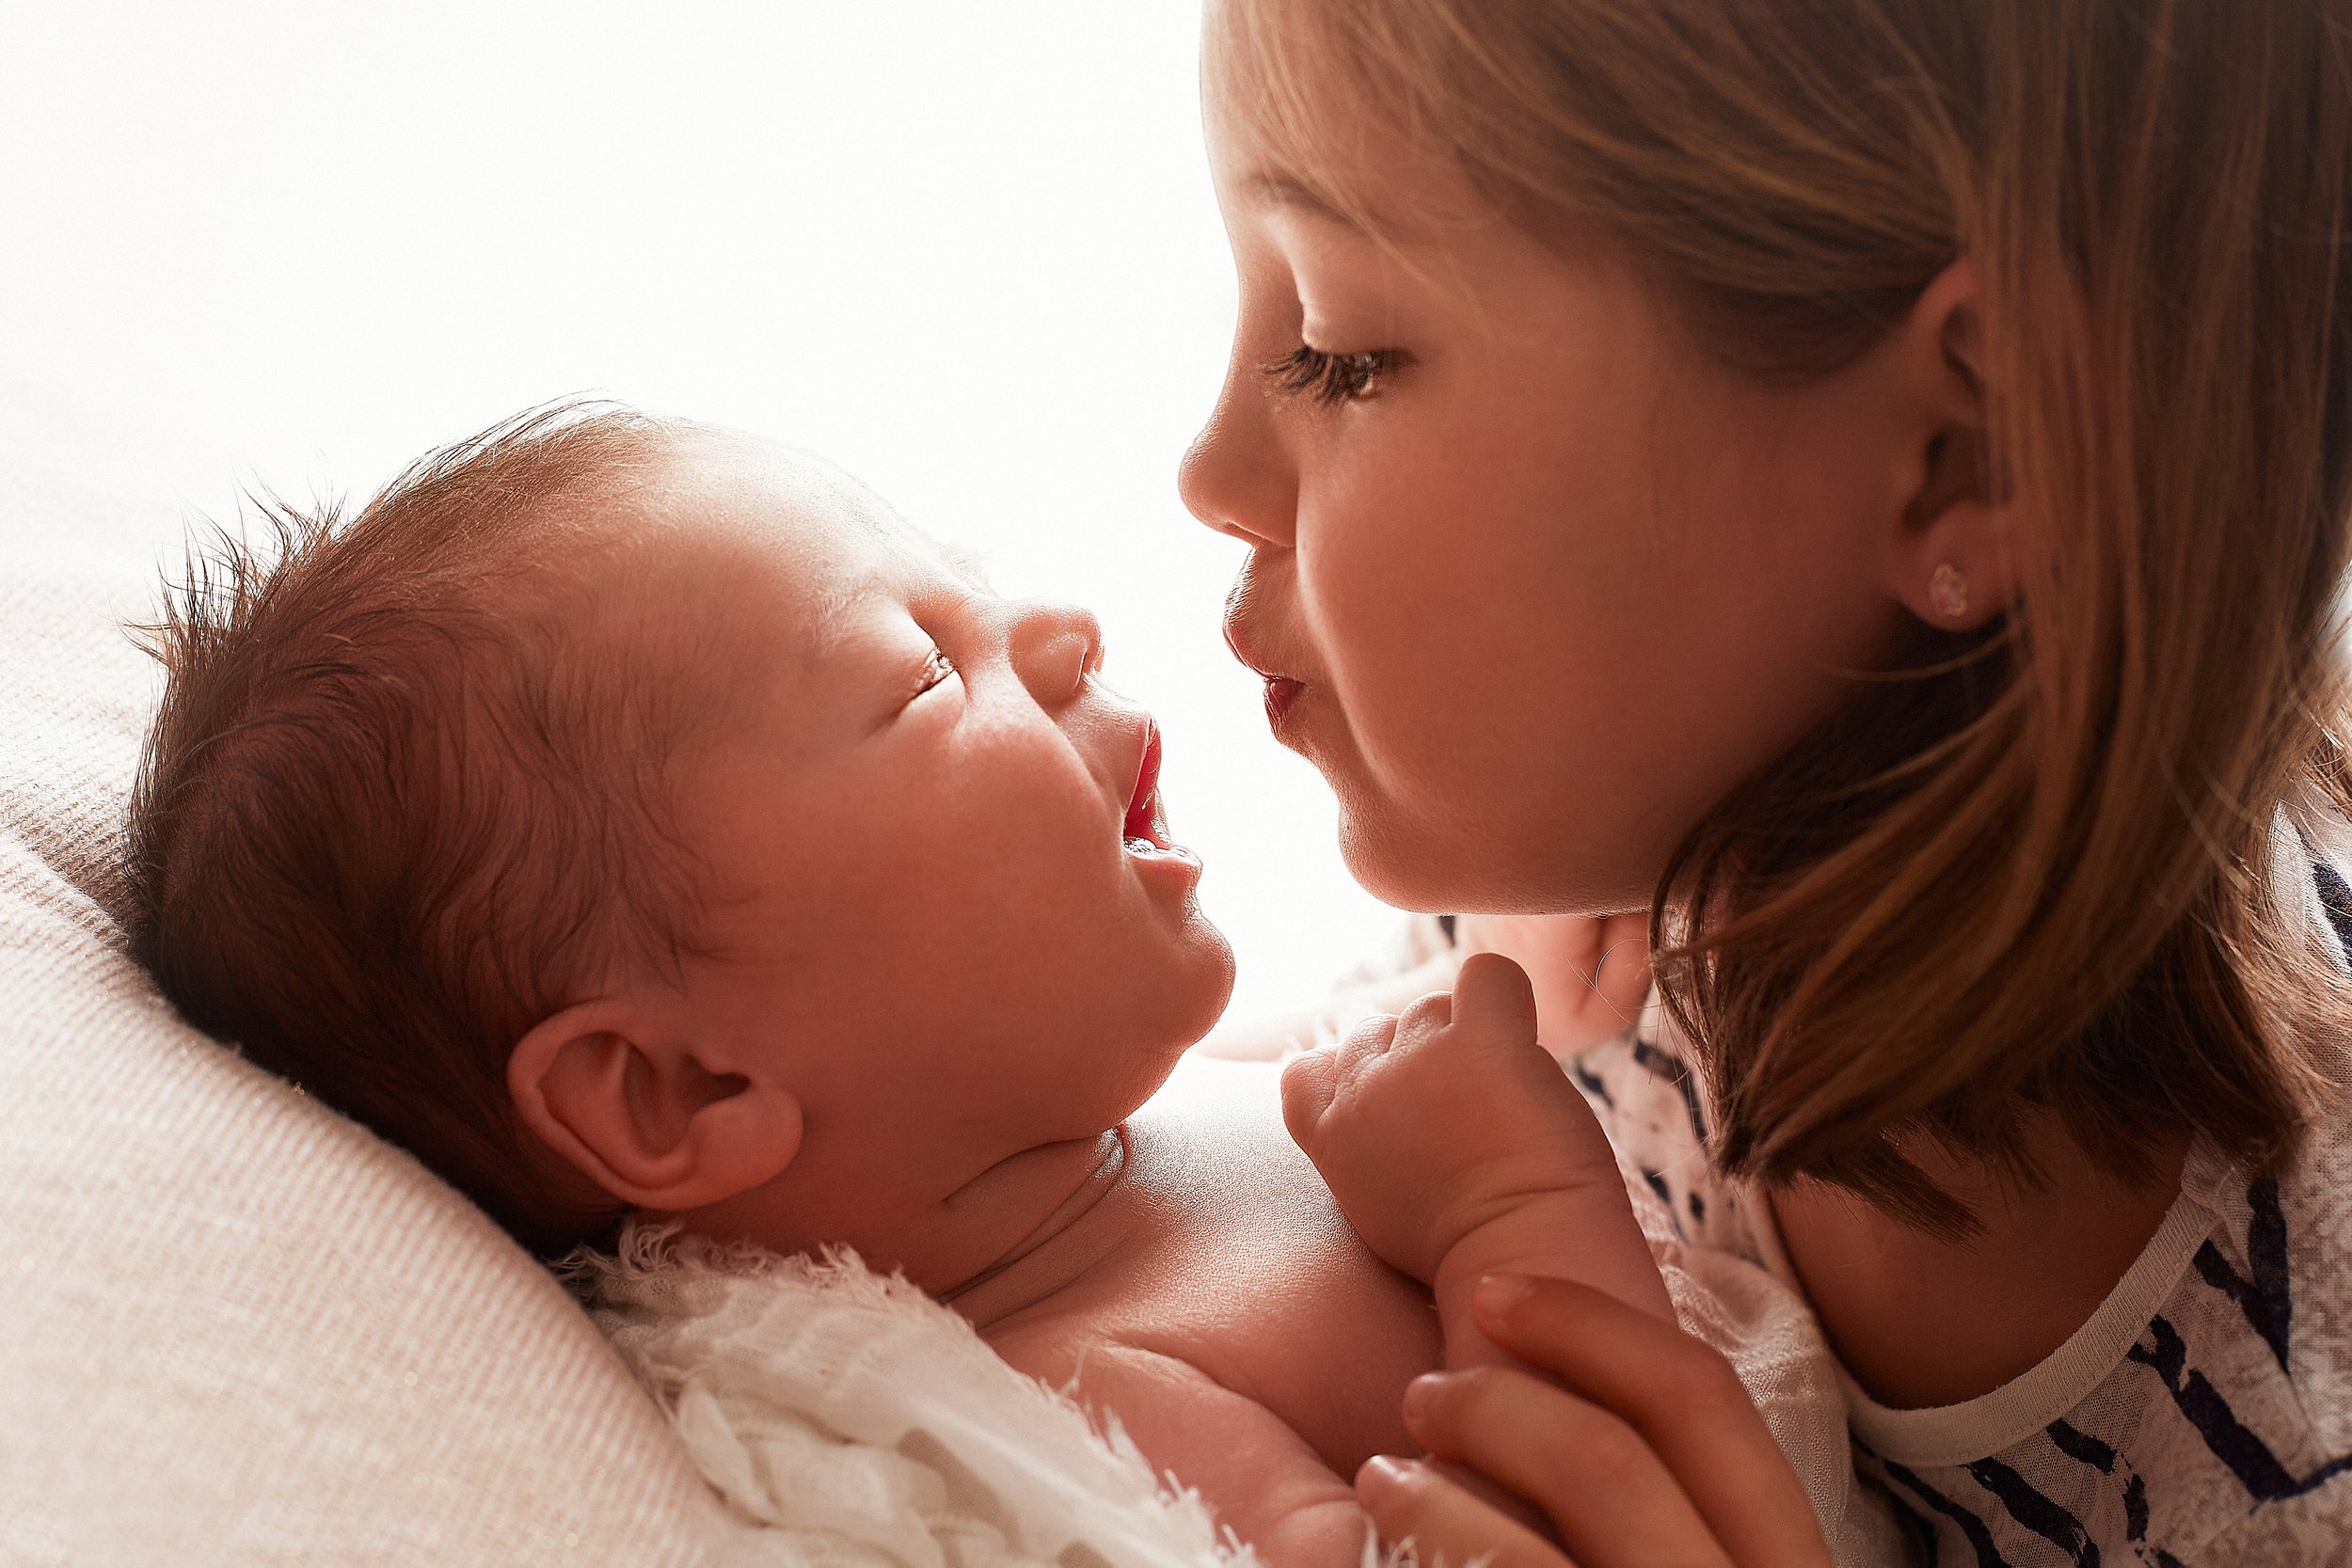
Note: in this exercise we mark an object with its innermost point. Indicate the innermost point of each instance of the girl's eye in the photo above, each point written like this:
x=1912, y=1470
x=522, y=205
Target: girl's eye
x=1332, y=377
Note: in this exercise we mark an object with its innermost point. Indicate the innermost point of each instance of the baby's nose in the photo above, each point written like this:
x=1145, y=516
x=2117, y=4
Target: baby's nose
x=1056, y=647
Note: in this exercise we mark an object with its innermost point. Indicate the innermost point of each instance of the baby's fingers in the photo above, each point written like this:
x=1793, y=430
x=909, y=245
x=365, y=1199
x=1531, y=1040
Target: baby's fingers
x=1448, y=1526
x=1311, y=1079
x=1491, y=990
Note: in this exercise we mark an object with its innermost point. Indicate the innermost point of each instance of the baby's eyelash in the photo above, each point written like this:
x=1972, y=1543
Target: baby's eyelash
x=935, y=670
x=1332, y=377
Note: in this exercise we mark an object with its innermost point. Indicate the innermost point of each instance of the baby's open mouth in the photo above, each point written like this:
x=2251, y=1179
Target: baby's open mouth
x=1144, y=829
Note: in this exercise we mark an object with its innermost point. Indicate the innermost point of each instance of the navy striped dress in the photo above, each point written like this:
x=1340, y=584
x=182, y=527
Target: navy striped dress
x=2201, y=1416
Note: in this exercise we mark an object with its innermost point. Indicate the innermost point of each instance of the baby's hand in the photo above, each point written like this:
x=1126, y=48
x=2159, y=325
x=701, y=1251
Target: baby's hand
x=1457, y=1148
x=1433, y=1124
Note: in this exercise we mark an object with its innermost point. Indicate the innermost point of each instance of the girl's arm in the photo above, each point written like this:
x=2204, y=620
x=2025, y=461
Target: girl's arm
x=1590, y=976
x=1270, y=1039
x=1645, y=1449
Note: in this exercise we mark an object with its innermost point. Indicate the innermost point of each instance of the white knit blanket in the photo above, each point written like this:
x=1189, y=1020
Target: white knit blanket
x=865, y=1426
x=869, y=1427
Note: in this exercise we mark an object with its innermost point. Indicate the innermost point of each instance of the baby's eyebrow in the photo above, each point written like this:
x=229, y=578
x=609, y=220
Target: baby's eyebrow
x=966, y=563
x=829, y=613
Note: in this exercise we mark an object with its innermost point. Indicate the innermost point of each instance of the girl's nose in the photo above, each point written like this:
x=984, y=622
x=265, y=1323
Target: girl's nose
x=1235, y=477
x=1055, y=647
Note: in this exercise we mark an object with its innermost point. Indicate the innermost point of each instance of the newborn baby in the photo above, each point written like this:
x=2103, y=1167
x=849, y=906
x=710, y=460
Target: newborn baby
x=636, y=817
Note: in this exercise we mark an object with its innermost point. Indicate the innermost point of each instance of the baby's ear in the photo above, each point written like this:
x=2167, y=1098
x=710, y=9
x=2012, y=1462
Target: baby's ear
x=629, y=1106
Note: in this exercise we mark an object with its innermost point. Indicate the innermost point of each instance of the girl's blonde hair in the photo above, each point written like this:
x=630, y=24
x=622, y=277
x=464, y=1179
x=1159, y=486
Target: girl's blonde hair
x=2033, y=872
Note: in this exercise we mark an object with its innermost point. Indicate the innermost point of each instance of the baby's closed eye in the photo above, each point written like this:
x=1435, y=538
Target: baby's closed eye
x=936, y=669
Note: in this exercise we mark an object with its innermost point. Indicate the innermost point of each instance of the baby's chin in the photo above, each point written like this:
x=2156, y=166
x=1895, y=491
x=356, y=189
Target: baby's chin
x=1158, y=1059
x=1209, y=997
x=1169, y=995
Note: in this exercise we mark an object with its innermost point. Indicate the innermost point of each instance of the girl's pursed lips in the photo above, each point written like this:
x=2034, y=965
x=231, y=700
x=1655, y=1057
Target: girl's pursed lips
x=1244, y=643
x=1283, y=690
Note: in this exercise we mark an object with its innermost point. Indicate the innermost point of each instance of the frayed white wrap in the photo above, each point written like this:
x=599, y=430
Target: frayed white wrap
x=866, y=1426
x=871, y=1427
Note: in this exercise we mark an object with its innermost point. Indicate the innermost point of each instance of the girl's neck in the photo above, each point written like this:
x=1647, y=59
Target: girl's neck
x=1923, y=1321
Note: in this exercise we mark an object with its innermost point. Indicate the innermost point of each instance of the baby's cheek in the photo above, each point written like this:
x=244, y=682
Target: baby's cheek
x=1042, y=827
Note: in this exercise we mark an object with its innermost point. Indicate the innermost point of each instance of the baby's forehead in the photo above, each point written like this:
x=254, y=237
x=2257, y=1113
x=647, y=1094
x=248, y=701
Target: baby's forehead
x=844, y=547
x=763, y=542
x=782, y=496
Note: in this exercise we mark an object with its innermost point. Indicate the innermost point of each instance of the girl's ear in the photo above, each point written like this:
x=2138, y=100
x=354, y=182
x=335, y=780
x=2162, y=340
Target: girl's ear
x=1949, y=562
x=628, y=1105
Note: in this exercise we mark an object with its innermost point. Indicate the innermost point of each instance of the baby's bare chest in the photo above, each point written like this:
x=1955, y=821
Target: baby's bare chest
x=1240, y=1265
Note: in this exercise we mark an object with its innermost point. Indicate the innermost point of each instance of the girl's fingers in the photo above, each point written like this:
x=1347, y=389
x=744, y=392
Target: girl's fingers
x=1614, y=1502
x=1682, y=1399
x=1449, y=1528
x=1507, y=1503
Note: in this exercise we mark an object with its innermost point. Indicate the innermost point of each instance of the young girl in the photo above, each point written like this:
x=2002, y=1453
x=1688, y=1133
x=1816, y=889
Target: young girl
x=1865, y=482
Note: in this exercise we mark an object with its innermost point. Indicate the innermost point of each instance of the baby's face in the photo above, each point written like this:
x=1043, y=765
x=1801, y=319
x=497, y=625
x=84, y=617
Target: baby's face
x=945, y=903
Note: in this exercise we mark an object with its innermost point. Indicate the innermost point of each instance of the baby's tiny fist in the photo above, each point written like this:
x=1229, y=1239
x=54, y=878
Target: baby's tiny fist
x=1423, y=1124
x=1426, y=1124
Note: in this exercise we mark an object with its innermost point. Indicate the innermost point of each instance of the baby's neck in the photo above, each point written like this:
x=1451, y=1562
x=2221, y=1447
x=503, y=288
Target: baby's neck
x=963, y=1246
x=956, y=1247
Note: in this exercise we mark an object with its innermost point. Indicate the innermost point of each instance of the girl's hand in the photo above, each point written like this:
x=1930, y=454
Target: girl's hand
x=1646, y=1451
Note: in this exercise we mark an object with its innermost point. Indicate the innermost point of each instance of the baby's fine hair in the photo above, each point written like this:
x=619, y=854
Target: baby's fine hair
x=398, y=805
x=2030, y=872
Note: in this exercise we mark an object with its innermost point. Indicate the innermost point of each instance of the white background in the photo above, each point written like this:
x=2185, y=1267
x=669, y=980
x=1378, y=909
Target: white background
x=967, y=250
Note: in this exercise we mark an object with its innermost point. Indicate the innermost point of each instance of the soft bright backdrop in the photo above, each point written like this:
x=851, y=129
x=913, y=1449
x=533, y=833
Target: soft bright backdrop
x=966, y=251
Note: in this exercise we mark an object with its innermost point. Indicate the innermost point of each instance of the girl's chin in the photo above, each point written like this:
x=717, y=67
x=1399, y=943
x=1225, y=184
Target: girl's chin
x=1393, y=866
x=1429, y=872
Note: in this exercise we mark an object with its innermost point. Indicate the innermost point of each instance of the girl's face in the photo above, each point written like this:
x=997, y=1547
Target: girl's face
x=1532, y=579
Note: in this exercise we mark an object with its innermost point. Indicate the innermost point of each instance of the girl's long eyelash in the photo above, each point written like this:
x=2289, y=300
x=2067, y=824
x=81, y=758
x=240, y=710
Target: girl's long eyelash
x=1332, y=377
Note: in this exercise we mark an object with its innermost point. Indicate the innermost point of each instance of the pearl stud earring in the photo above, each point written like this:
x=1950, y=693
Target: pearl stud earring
x=1947, y=592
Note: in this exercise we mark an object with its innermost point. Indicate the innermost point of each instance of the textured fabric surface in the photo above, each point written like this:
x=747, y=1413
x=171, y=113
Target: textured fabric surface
x=239, y=1329
x=2202, y=1414
x=872, y=1428
x=1769, y=1335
